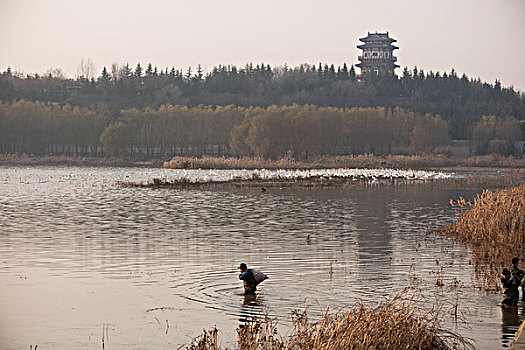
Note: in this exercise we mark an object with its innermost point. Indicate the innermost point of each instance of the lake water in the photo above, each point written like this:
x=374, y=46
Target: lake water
x=81, y=257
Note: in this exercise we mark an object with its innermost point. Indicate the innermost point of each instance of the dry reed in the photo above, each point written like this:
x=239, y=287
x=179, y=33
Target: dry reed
x=395, y=323
x=207, y=162
x=350, y=161
x=494, y=228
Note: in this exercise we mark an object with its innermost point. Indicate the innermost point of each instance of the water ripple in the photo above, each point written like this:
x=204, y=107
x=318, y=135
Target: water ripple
x=78, y=252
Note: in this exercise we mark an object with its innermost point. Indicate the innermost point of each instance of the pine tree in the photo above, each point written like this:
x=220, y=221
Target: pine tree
x=406, y=73
x=325, y=71
x=188, y=73
x=331, y=72
x=138, y=71
x=352, y=74
x=149, y=70
x=105, y=75
x=199, y=74
x=126, y=71
x=344, y=72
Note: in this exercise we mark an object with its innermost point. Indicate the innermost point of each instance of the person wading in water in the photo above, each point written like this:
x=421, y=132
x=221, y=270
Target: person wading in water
x=516, y=271
x=510, y=284
x=248, y=279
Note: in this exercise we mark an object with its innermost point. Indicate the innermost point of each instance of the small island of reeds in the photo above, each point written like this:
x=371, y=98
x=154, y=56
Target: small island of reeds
x=285, y=178
x=493, y=226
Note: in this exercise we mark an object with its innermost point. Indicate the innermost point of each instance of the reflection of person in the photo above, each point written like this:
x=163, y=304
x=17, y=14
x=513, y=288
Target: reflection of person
x=510, y=288
x=248, y=280
x=516, y=271
x=510, y=322
x=250, y=299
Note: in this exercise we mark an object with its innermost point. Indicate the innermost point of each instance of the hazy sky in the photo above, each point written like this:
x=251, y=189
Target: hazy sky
x=481, y=38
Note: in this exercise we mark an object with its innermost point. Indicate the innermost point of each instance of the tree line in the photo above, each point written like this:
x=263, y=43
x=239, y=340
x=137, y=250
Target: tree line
x=458, y=99
x=43, y=128
x=498, y=136
x=297, y=131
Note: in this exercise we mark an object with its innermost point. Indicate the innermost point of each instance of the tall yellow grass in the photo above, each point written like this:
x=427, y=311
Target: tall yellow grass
x=394, y=324
x=494, y=227
x=351, y=161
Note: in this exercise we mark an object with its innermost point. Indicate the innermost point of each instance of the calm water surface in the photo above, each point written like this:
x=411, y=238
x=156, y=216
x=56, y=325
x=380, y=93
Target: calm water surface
x=80, y=256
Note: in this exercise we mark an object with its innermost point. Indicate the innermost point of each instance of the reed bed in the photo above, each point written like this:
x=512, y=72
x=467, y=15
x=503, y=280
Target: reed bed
x=395, y=323
x=351, y=161
x=493, y=225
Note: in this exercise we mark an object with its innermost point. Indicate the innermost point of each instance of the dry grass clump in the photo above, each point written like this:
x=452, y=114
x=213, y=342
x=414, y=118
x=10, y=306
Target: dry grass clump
x=393, y=324
x=494, y=227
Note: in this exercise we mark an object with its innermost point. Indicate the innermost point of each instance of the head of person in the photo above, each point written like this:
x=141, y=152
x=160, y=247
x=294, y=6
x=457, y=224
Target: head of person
x=515, y=261
x=505, y=273
x=242, y=267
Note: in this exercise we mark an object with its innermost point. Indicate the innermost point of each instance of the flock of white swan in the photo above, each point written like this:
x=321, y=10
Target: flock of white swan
x=147, y=175
x=216, y=175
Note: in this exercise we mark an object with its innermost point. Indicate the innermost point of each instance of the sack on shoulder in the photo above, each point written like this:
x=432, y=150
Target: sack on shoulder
x=258, y=276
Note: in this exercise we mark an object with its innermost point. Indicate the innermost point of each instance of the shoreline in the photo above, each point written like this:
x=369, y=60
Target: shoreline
x=426, y=162
x=27, y=160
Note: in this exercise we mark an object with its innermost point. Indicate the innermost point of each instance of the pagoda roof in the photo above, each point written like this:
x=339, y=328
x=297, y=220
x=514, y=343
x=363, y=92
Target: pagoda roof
x=377, y=64
x=377, y=37
x=383, y=45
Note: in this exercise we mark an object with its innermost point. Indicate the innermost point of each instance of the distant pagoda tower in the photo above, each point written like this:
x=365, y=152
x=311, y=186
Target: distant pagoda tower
x=378, y=54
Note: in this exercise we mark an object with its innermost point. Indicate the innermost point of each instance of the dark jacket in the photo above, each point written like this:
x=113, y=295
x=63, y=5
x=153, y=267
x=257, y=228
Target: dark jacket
x=510, y=290
x=248, y=281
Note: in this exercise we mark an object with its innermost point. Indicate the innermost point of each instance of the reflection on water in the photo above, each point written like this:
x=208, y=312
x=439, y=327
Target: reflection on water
x=511, y=318
x=154, y=267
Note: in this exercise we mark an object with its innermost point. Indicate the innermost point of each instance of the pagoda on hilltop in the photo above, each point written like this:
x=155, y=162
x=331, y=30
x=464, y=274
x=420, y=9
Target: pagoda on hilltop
x=378, y=54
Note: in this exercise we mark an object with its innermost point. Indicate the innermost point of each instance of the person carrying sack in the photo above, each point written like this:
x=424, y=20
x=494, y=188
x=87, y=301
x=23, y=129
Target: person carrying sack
x=250, y=278
x=516, y=271
x=510, y=285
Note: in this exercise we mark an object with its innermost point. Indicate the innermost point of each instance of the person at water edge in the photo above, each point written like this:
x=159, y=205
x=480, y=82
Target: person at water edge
x=516, y=271
x=248, y=280
x=510, y=284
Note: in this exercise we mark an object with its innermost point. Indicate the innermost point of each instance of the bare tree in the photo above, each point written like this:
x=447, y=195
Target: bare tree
x=85, y=69
x=116, y=71
x=55, y=73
